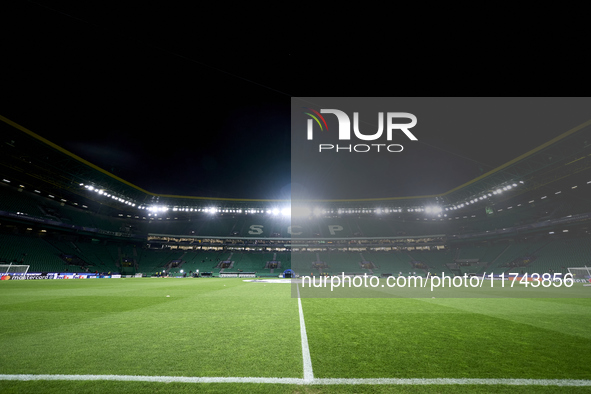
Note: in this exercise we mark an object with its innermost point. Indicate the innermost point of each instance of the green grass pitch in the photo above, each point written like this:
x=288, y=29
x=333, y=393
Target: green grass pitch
x=231, y=328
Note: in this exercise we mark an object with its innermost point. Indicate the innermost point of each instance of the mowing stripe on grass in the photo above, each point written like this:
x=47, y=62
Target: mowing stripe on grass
x=384, y=381
x=308, y=372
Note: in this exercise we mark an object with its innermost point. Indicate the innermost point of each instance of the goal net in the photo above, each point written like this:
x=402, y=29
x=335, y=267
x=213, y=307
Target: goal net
x=580, y=272
x=13, y=269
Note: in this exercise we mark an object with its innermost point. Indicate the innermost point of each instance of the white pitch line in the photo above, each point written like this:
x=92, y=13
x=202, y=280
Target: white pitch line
x=158, y=379
x=308, y=372
x=298, y=381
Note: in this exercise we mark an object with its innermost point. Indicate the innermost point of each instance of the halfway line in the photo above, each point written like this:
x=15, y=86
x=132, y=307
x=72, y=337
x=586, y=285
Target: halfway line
x=308, y=373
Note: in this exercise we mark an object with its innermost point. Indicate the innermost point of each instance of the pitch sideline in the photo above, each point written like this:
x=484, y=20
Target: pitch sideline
x=299, y=381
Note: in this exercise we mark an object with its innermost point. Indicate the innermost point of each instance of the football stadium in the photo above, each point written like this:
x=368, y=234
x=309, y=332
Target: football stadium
x=110, y=287
x=169, y=223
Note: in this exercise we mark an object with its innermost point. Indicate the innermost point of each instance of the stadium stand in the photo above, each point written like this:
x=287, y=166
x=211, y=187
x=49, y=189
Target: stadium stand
x=59, y=214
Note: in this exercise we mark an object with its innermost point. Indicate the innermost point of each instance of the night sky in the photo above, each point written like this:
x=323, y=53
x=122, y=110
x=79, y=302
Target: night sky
x=164, y=99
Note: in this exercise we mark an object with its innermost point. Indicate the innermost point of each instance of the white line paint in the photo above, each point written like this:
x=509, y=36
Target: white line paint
x=461, y=381
x=298, y=381
x=308, y=372
x=160, y=379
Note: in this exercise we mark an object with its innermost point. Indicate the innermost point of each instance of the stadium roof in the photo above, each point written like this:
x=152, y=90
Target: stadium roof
x=171, y=113
x=26, y=154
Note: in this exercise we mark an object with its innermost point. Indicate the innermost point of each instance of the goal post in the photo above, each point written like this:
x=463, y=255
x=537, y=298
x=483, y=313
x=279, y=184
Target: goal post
x=13, y=269
x=581, y=273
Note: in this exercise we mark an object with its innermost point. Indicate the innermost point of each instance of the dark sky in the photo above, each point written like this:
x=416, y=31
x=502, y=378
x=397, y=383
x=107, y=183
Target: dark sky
x=198, y=103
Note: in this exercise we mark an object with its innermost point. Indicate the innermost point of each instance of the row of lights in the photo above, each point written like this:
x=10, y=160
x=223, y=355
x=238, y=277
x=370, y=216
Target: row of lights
x=475, y=199
x=155, y=209
x=102, y=192
x=318, y=211
x=544, y=197
x=22, y=187
x=287, y=211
